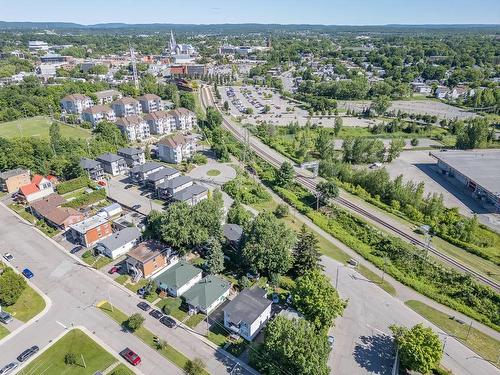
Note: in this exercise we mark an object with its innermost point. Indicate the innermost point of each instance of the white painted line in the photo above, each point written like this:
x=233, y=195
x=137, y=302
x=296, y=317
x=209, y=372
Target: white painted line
x=62, y=325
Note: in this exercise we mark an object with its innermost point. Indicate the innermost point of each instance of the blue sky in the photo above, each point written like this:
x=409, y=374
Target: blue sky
x=331, y=12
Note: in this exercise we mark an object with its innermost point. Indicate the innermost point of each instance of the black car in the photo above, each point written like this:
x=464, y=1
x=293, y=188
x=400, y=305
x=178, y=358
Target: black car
x=76, y=249
x=143, y=306
x=157, y=314
x=27, y=353
x=129, y=186
x=136, y=206
x=168, y=321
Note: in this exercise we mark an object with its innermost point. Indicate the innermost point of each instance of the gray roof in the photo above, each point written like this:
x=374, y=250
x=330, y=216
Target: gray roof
x=109, y=158
x=188, y=193
x=13, y=172
x=232, y=232
x=89, y=163
x=175, y=182
x=248, y=305
x=206, y=291
x=146, y=167
x=177, y=275
x=120, y=238
x=162, y=173
x=130, y=151
x=480, y=166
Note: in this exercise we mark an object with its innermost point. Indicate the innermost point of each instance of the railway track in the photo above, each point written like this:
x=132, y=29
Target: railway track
x=310, y=185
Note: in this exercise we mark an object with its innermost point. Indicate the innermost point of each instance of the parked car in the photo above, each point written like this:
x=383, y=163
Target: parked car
x=331, y=341
x=157, y=314
x=129, y=186
x=253, y=276
x=9, y=368
x=143, y=306
x=5, y=317
x=76, y=249
x=353, y=262
x=27, y=273
x=131, y=356
x=113, y=270
x=28, y=353
x=8, y=257
x=276, y=298
x=168, y=321
x=136, y=206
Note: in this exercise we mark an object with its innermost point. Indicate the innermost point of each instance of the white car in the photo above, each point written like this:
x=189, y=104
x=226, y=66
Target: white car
x=8, y=257
x=331, y=341
x=8, y=368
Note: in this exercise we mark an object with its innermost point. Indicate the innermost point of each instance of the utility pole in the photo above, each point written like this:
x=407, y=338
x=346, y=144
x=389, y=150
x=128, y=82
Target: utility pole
x=337, y=278
x=383, y=273
x=468, y=331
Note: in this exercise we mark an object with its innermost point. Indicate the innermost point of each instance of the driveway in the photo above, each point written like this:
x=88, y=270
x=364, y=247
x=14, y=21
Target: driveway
x=131, y=196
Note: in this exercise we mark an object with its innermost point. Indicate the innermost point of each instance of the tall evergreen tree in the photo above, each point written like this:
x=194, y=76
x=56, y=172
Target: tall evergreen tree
x=215, y=257
x=306, y=255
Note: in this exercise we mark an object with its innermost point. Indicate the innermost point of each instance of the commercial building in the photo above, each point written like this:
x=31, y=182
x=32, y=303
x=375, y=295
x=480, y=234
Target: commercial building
x=477, y=170
x=12, y=180
x=248, y=313
x=207, y=294
x=90, y=231
x=37, y=45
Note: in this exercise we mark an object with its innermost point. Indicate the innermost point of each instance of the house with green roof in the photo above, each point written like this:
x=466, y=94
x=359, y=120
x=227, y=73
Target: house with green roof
x=178, y=279
x=207, y=294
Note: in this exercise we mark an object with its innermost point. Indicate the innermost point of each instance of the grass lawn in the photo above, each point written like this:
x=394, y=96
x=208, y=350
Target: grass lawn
x=484, y=345
x=146, y=336
x=39, y=127
x=29, y=304
x=40, y=224
x=96, y=262
x=123, y=370
x=174, y=307
x=52, y=360
x=3, y=331
x=122, y=279
x=194, y=320
x=138, y=285
x=213, y=172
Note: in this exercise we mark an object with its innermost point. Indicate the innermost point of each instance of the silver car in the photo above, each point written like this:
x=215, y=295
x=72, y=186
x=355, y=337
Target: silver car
x=8, y=368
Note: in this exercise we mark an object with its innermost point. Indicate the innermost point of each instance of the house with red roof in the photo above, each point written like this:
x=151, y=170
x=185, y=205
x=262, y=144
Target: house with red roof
x=39, y=188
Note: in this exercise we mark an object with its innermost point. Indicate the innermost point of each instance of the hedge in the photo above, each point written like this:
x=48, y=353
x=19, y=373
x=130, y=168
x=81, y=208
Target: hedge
x=74, y=184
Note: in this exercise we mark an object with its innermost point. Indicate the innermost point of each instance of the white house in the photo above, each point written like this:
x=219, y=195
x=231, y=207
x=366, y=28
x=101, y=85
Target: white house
x=140, y=172
x=76, y=103
x=248, y=313
x=98, y=113
x=207, y=294
x=191, y=195
x=176, y=148
x=169, y=186
x=126, y=107
x=119, y=243
x=150, y=103
x=133, y=127
x=441, y=92
x=114, y=209
x=39, y=188
x=178, y=279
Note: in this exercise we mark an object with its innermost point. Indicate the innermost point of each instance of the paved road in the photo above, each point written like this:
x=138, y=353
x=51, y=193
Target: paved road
x=74, y=290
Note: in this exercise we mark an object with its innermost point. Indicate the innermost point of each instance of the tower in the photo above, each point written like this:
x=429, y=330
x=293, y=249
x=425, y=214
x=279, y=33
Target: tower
x=134, y=68
x=172, y=43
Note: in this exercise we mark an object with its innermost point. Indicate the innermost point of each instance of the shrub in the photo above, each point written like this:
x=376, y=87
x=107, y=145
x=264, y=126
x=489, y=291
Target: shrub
x=414, y=142
x=281, y=211
x=70, y=358
x=134, y=322
x=74, y=184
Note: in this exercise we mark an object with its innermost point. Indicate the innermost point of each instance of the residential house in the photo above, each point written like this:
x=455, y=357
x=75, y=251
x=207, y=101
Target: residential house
x=178, y=279
x=154, y=180
x=49, y=209
x=441, y=92
x=207, y=294
x=421, y=88
x=176, y=148
x=76, y=103
x=460, y=91
x=126, y=106
x=98, y=113
x=133, y=156
x=232, y=233
x=39, y=188
x=93, y=168
x=12, y=180
x=90, y=231
x=167, y=188
x=149, y=258
x=184, y=118
x=108, y=96
x=150, y=103
x=161, y=122
x=191, y=195
x=119, y=243
x=112, y=164
x=140, y=172
x=248, y=313
x=133, y=127
x=114, y=209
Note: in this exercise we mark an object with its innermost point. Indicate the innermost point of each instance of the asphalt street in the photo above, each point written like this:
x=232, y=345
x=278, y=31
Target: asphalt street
x=74, y=290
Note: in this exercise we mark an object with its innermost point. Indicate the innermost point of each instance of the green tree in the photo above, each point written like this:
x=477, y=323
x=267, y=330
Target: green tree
x=108, y=132
x=292, y=347
x=281, y=210
x=226, y=106
x=135, y=321
x=473, y=135
x=327, y=190
x=175, y=226
x=267, y=245
x=324, y=142
x=249, y=111
x=316, y=298
x=12, y=286
x=396, y=146
x=194, y=367
x=214, y=118
x=419, y=348
x=55, y=136
x=187, y=101
x=306, y=254
x=338, y=125
x=215, y=257
x=70, y=358
x=381, y=104
x=238, y=214
x=285, y=175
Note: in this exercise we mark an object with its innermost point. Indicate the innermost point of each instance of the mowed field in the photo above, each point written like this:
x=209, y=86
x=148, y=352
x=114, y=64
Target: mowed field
x=38, y=127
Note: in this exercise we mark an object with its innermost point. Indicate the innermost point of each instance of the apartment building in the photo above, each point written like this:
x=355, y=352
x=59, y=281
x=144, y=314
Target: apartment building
x=133, y=156
x=150, y=103
x=90, y=231
x=92, y=168
x=133, y=127
x=108, y=96
x=184, y=118
x=140, y=173
x=161, y=122
x=126, y=106
x=176, y=148
x=76, y=103
x=98, y=113
x=112, y=164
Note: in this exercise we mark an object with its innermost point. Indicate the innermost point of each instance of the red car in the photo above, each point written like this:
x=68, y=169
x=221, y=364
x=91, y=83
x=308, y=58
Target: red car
x=113, y=270
x=130, y=356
